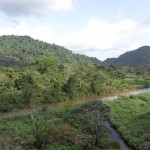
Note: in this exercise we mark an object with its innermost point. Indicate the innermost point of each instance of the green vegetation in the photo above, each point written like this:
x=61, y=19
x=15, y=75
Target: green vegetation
x=131, y=116
x=140, y=56
x=52, y=73
x=33, y=72
x=46, y=80
x=19, y=50
x=63, y=128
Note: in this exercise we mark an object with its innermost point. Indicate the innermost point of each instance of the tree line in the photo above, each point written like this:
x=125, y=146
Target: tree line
x=46, y=80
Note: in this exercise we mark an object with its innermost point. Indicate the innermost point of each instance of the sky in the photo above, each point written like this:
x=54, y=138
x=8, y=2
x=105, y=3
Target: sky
x=96, y=28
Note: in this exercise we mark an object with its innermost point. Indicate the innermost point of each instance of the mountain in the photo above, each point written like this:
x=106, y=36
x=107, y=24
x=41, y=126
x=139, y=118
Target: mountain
x=140, y=56
x=16, y=50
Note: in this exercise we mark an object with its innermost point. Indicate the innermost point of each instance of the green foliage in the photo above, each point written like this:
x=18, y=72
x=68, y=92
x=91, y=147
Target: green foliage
x=131, y=116
x=21, y=50
x=47, y=80
x=90, y=118
x=138, y=57
x=46, y=130
x=39, y=136
x=43, y=64
x=50, y=73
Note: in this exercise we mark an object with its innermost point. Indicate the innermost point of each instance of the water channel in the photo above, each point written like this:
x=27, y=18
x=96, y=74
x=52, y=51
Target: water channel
x=114, y=134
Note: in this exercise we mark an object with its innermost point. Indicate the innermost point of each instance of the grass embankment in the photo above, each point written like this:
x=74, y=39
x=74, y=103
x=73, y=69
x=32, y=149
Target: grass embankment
x=131, y=116
x=67, y=127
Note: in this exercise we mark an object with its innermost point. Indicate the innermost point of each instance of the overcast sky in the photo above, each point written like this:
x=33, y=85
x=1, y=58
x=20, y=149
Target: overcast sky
x=97, y=28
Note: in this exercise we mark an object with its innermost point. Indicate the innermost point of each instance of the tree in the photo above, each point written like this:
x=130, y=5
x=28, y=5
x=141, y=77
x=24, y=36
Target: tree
x=91, y=117
x=40, y=134
x=43, y=64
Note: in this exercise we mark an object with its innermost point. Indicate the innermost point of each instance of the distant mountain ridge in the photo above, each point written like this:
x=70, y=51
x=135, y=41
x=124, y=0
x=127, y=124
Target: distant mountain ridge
x=140, y=56
x=15, y=50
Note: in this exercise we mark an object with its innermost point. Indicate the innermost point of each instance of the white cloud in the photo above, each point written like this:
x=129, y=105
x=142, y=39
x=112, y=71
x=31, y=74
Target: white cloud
x=43, y=33
x=98, y=39
x=59, y=5
x=101, y=35
x=34, y=7
x=18, y=29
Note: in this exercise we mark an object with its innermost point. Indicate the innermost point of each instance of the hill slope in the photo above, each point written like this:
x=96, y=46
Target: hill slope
x=140, y=56
x=24, y=49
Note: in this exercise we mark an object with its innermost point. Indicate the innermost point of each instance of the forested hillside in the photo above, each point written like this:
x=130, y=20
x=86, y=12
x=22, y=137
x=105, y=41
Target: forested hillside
x=17, y=50
x=34, y=73
x=53, y=73
x=47, y=80
x=140, y=56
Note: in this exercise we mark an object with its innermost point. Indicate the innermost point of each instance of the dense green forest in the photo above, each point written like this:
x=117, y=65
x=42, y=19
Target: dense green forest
x=19, y=50
x=34, y=73
x=63, y=76
x=140, y=56
x=46, y=80
x=131, y=116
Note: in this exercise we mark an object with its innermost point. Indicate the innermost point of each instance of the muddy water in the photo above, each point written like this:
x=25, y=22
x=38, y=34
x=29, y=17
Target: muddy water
x=104, y=98
x=136, y=92
x=114, y=134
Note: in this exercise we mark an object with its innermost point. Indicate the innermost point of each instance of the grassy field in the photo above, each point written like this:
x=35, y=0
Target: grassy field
x=131, y=116
x=62, y=128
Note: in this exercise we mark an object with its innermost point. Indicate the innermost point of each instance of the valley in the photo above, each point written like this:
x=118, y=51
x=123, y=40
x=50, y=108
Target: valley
x=48, y=99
